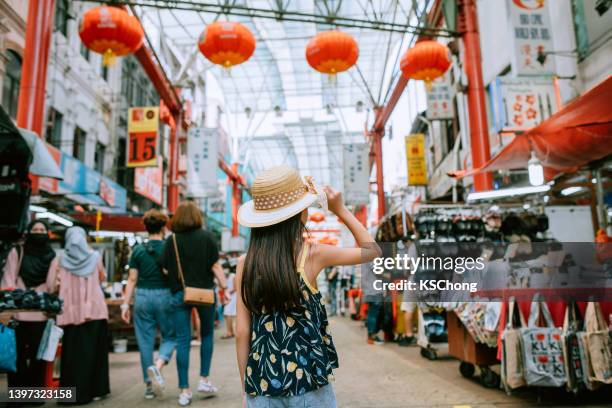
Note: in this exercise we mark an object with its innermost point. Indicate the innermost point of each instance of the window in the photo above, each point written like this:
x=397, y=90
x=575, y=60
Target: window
x=84, y=51
x=99, y=157
x=54, y=128
x=78, y=143
x=10, y=87
x=61, y=16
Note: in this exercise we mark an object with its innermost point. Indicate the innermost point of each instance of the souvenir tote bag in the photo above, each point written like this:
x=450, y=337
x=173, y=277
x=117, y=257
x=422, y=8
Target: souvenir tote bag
x=598, y=345
x=542, y=351
x=573, y=350
x=512, y=358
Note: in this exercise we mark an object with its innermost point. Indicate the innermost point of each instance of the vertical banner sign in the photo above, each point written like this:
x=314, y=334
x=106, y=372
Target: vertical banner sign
x=148, y=182
x=531, y=31
x=440, y=99
x=143, y=124
x=415, y=159
x=356, y=173
x=202, y=162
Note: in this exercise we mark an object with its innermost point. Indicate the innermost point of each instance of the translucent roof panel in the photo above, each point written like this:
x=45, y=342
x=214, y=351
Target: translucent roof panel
x=318, y=112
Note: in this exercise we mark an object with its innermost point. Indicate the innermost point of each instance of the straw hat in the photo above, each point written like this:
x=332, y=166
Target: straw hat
x=278, y=194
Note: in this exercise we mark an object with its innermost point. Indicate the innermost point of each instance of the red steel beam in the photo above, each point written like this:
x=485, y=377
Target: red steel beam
x=477, y=108
x=31, y=104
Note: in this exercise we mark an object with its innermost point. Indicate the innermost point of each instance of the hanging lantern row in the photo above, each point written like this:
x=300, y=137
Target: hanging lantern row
x=112, y=32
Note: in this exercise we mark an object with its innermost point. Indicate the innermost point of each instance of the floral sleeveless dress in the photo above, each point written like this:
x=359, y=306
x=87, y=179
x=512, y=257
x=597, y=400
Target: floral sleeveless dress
x=291, y=353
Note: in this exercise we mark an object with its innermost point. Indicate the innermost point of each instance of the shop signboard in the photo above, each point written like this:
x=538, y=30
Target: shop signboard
x=356, y=173
x=202, y=162
x=143, y=124
x=47, y=184
x=521, y=103
x=532, y=34
x=113, y=195
x=148, y=182
x=440, y=99
x=415, y=159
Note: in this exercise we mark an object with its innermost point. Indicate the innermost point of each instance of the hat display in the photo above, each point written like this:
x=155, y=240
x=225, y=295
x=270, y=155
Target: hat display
x=278, y=194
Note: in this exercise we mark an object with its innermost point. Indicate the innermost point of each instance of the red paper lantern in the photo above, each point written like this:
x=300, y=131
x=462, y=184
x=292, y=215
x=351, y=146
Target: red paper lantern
x=426, y=61
x=227, y=44
x=110, y=31
x=331, y=52
x=317, y=217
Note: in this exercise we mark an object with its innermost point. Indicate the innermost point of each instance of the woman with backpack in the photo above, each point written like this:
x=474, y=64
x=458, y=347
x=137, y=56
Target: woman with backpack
x=151, y=304
x=283, y=338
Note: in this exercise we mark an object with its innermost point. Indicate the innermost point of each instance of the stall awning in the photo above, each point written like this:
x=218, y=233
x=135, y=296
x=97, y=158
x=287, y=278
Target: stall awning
x=112, y=222
x=576, y=135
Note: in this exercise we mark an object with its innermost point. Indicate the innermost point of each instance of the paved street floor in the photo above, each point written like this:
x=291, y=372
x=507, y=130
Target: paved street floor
x=369, y=376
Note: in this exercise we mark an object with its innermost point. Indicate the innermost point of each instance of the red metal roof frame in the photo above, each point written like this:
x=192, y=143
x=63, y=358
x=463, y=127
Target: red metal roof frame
x=576, y=135
x=112, y=222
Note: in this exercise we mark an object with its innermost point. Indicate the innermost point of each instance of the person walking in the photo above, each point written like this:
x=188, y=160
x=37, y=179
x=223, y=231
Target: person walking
x=84, y=318
x=190, y=258
x=151, y=304
x=28, y=267
x=284, y=347
x=229, y=310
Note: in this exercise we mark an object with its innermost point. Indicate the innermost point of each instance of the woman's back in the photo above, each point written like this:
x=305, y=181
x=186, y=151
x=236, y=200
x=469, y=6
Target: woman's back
x=291, y=352
x=198, y=253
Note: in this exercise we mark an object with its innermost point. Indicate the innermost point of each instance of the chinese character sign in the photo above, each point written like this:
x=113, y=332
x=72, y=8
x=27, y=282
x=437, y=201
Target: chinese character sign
x=202, y=162
x=356, y=173
x=148, y=182
x=415, y=159
x=440, y=99
x=143, y=123
x=531, y=31
x=527, y=102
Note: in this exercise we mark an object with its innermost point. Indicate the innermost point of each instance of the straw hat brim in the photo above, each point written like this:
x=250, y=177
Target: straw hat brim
x=248, y=216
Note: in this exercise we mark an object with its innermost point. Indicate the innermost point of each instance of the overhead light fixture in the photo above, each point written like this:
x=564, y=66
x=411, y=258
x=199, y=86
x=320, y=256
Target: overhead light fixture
x=507, y=192
x=571, y=191
x=594, y=180
x=536, y=171
x=359, y=106
x=278, y=111
x=54, y=217
x=37, y=208
x=248, y=111
x=329, y=109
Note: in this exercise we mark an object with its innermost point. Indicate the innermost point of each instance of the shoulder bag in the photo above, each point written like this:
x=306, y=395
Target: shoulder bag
x=191, y=295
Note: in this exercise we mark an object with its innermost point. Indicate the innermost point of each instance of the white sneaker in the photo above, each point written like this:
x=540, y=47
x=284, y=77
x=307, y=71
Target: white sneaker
x=157, y=379
x=206, y=387
x=184, y=399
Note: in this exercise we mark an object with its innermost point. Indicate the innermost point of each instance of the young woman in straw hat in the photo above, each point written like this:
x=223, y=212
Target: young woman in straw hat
x=284, y=346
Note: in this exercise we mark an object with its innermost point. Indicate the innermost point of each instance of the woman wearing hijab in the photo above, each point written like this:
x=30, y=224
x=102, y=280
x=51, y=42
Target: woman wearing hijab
x=29, y=266
x=84, y=318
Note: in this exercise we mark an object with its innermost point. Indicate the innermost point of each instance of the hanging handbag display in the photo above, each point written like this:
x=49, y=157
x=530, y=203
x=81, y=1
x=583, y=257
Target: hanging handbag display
x=597, y=342
x=191, y=295
x=572, y=349
x=8, y=350
x=542, y=351
x=50, y=341
x=512, y=374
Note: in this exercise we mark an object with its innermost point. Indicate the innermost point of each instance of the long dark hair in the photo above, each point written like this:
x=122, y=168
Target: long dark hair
x=270, y=282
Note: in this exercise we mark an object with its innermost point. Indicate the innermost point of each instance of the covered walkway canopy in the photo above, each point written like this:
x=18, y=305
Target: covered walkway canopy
x=276, y=108
x=578, y=134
